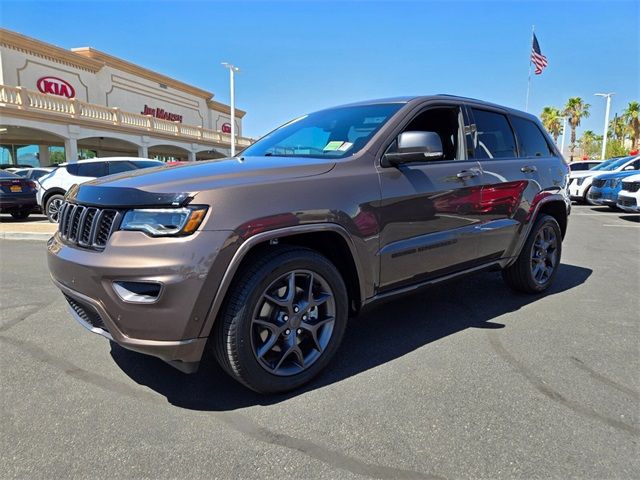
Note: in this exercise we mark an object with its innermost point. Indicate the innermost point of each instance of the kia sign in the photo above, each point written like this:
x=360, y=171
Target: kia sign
x=226, y=128
x=56, y=86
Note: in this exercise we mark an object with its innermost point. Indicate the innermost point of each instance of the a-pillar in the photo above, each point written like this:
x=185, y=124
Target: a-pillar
x=43, y=155
x=71, y=150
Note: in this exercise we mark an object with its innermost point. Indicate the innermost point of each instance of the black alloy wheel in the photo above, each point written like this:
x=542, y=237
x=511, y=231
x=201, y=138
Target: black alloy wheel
x=539, y=260
x=282, y=321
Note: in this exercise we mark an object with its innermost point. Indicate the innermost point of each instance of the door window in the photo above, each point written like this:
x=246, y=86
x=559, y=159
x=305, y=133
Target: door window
x=119, y=167
x=92, y=169
x=445, y=121
x=531, y=141
x=494, y=138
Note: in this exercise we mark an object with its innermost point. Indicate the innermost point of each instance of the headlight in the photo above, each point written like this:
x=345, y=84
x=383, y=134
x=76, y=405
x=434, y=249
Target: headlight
x=616, y=182
x=580, y=181
x=164, y=221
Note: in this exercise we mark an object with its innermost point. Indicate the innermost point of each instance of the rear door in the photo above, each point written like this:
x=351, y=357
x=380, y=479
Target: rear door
x=514, y=156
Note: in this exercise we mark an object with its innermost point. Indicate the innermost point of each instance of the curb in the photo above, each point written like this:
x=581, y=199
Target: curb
x=42, y=237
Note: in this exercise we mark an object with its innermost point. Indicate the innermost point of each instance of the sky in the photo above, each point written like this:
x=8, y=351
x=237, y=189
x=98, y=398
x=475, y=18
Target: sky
x=297, y=57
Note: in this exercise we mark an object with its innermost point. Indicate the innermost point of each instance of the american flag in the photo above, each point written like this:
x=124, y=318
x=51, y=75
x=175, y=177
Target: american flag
x=539, y=60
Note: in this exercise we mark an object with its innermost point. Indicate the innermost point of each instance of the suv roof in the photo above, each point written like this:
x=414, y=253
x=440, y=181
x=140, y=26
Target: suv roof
x=440, y=96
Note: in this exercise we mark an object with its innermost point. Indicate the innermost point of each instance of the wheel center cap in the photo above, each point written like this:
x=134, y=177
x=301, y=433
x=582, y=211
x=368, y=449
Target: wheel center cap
x=295, y=322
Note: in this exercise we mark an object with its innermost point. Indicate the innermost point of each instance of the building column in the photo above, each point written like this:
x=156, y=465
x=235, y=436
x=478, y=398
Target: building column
x=43, y=155
x=143, y=151
x=71, y=150
x=192, y=156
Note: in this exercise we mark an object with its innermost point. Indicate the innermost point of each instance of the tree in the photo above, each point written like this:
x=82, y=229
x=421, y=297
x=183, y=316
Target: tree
x=618, y=128
x=590, y=143
x=575, y=110
x=552, y=121
x=631, y=117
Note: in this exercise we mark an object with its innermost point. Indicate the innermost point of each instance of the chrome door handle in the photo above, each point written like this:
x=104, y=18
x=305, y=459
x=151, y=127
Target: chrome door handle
x=472, y=172
x=529, y=169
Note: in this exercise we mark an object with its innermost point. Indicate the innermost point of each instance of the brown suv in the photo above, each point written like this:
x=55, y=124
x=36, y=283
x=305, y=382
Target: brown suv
x=263, y=258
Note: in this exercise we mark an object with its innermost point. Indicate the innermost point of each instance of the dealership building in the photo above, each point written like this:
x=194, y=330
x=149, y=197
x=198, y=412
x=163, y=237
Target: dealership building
x=70, y=104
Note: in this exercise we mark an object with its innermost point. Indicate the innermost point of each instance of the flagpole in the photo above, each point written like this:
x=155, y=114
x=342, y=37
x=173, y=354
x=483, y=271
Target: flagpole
x=526, y=105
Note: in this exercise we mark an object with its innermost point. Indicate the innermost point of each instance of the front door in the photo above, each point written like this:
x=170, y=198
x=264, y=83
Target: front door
x=428, y=212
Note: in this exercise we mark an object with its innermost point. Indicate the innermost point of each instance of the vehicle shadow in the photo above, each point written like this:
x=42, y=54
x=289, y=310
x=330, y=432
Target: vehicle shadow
x=33, y=218
x=379, y=336
x=630, y=218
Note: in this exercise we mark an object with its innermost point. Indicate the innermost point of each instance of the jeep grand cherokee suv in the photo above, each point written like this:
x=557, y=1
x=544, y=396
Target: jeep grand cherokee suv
x=262, y=258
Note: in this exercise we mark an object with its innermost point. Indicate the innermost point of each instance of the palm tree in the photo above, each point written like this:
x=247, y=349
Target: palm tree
x=631, y=117
x=552, y=121
x=588, y=142
x=575, y=110
x=617, y=128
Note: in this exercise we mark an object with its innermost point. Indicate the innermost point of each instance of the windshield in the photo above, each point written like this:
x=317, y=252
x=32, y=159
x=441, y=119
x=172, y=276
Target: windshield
x=612, y=164
x=334, y=133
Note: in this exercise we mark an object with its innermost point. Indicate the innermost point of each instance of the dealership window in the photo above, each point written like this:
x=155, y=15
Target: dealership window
x=494, y=138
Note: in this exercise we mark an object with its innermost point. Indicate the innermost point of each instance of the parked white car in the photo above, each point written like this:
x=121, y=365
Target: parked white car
x=54, y=186
x=629, y=195
x=580, y=182
x=582, y=165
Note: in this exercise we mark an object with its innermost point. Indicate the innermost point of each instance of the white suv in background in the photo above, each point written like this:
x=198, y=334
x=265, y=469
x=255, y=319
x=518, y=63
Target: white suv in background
x=629, y=196
x=580, y=182
x=54, y=186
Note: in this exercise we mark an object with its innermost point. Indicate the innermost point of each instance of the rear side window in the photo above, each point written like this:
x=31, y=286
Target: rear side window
x=531, y=141
x=92, y=169
x=494, y=138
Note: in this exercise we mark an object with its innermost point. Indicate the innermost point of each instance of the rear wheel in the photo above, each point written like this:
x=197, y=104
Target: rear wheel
x=52, y=207
x=538, y=262
x=20, y=215
x=283, y=320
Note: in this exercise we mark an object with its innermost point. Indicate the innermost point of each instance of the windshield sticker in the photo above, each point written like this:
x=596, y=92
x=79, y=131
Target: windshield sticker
x=345, y=146
x=370, y=120
x=333, y=146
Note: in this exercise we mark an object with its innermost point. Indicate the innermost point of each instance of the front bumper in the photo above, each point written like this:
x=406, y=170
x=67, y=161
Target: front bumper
x=169, y=328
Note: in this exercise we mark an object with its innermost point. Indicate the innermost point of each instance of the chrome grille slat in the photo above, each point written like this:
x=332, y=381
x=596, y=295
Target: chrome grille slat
x=87, y=227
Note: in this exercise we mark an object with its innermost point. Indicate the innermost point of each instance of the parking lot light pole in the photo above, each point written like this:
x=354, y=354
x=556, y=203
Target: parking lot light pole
x=564, y=134
x=606, y=121
x=232, y=70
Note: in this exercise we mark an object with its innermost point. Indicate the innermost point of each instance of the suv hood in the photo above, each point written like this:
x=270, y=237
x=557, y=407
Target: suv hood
x=624, y=174
x=174, y=184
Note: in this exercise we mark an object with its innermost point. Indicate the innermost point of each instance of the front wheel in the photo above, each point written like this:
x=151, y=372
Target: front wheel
x=52, y=207
x=538, y=262
x=283, y=320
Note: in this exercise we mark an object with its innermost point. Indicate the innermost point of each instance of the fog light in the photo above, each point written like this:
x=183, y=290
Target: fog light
x=138, y=292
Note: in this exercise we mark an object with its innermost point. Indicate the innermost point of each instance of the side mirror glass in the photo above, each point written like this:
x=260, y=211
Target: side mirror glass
x=414, y=147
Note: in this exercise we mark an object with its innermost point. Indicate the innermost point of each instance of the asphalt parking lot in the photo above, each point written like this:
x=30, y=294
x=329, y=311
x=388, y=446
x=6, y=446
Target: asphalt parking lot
x=465, y=380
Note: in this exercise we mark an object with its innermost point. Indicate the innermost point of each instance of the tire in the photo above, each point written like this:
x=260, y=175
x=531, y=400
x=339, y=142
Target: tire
x=52, y=205
x=20, y=215
x=525, y=274
x=585, y=197
x=240, y=340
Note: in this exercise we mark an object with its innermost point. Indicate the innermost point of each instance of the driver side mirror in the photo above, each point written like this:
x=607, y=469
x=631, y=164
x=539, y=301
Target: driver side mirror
x=629, y=167
x=414, y=147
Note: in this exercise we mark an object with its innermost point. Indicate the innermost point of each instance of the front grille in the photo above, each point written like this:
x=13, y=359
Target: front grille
x=631, y=186
x=87, y=227
x=86, y=313
x=599, y=183
x=627, y=201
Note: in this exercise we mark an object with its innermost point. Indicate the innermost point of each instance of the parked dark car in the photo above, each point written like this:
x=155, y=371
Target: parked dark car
x=263, y=258
x=17, y=195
